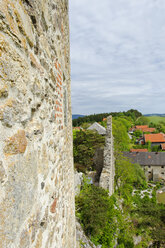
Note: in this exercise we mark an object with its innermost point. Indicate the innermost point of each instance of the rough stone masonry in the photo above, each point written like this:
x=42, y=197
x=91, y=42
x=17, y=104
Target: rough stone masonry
x=36, y=167
x=108, y=171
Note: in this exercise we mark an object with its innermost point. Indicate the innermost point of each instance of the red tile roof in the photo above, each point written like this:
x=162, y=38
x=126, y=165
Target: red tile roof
x=141, y=127
x=139, y=150
x=76, y=128
x=149, y=129
x=154, y=138
x=145, y=128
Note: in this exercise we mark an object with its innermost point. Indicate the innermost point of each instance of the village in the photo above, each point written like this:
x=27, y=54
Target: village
x=150, y=154
x=147, y=149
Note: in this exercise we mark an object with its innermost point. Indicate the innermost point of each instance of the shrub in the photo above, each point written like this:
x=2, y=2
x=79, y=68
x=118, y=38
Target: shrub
x=93, y=206
x=84, y=146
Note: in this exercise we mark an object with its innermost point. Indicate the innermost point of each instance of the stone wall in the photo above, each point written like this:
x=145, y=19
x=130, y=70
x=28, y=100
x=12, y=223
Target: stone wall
x=98, y=161
x=36, y=167
x=154, y=173
x=82, y=240
x=153, y=164
x=108, y=171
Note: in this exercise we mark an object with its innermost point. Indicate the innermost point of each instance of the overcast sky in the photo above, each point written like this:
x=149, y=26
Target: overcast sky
x=117, y=55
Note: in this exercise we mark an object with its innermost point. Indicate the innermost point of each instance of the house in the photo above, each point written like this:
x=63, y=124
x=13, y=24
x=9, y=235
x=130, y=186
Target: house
x=153, y=163
x=96, y=126
x=131, y=130
x=77, y=128
x=140, y=141
x=155, y=139
x=143, y=128
x=149, y=130
x=162, y=147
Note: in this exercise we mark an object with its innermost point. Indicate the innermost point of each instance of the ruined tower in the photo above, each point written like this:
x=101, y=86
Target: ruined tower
x=36, y=163
x=108, y=171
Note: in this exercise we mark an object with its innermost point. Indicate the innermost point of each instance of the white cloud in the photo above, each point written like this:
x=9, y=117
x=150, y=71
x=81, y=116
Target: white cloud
x=117, y=55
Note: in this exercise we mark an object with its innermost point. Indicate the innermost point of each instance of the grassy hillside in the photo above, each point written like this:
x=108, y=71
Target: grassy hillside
x=155, y=119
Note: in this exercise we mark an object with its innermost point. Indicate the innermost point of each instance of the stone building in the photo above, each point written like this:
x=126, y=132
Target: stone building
x=36, y=168
x=153, y=163
x=98, y=128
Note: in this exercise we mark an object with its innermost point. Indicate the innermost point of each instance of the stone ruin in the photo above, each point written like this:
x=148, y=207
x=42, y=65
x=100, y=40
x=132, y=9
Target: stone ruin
x=105, y=162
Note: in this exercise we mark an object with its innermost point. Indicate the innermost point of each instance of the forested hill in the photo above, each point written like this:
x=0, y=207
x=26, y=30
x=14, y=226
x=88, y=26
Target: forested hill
x=155, y=114
x=76, y=116
x=134, y=114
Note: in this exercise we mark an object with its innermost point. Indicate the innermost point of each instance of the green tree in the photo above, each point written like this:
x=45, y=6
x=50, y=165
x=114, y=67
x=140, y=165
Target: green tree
x=127, y=176
x=156, y=148
x=121, y=138
x=148, y=144
x=138, y=133
x=102, y=219
x=151, y=218
x=84, y=145
x=133, y=113
x=85, y=125
x=93, y=207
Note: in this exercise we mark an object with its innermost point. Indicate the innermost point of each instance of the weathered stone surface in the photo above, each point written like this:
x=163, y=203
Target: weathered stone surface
x=3, y=90
x=2, y=172
x=82, y=240
x=108, y=171
x=98, y=160
x=78, y=179
x=16, y=144
x=25, y=239
x=137, y=240
x=53, y=206
x=36, y=166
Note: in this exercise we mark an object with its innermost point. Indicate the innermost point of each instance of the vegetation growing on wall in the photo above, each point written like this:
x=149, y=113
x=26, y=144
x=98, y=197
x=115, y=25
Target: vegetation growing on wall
x=149, y=217
x=102, y=218
x=124, y=216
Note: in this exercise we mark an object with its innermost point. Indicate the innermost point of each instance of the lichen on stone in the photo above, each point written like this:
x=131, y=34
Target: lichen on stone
x=16, y=144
